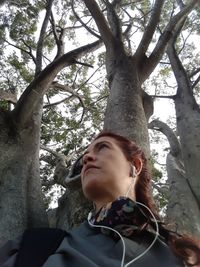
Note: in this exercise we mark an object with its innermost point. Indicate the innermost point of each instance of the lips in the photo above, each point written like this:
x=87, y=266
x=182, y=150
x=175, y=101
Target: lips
x=89, y=167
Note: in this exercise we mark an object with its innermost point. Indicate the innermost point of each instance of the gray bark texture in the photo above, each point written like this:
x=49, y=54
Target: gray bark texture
x=188, y=127
x=182, y=204
x=183, y=211
x=125, y=113
x=73, y=209
x=21, y=203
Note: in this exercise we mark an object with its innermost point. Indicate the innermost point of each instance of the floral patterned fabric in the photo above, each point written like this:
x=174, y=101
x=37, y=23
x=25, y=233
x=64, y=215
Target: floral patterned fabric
x=123, y=215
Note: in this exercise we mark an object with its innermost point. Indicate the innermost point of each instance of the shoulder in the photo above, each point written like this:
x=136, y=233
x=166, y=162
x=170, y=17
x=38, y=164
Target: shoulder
x=32, y=243
x=160, y=252
x=9, y=249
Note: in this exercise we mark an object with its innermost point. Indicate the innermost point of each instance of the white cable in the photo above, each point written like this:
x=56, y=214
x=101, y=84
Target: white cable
x=132, y=182
x=154, y=240
x=123, y=243
x=111, y=229
x=152, y=215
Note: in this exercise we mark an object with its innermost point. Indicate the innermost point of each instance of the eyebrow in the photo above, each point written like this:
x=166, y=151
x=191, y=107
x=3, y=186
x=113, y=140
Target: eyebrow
x=101, y=142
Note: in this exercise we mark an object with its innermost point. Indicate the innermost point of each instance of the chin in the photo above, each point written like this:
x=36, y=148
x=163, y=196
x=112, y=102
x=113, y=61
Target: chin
x=92, y=189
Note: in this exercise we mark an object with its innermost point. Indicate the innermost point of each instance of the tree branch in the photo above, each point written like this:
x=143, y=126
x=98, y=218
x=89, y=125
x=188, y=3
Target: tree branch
x=163, y=189
x=54, y=153
x=85, y=82
x=8, y=96
x=35, y=91
x=160, y=126
x=49, y=183
x=101, y=22
x=20, y=48
x=84, y=64
x=65, y=88
x=41, y=38
x=56, y=103
x=53, y=25
x=196, y=82
x=150, y=29
x=180, y=3
x=194, y=72
x=184, y=89
x=61, y=171
x=164, y=96
x=30, y=51
x=113, y=19
x=59, y=38
x=184, y=41
x=82, y=23
x=148, y=65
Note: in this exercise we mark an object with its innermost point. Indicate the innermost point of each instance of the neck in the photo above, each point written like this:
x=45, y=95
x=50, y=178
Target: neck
x=99, y=204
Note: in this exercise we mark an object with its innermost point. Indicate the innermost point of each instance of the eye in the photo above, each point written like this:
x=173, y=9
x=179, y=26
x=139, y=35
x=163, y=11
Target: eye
x=102, y=146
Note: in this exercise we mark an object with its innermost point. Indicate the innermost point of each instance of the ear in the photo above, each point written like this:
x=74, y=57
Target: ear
x=137, y=162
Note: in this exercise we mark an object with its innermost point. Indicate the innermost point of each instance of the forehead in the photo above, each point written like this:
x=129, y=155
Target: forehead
x=102, y=139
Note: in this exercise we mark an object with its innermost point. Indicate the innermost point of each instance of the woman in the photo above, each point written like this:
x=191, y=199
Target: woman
x=124, y=227
x=119, y=168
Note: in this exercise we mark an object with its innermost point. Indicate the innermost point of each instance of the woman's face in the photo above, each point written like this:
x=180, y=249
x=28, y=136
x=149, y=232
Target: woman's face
x=106, y=171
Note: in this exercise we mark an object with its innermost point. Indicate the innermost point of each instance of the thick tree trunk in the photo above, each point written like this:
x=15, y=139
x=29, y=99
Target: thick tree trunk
x=21, y=203
x=182, y=203
x=73, y=209
x=125, y=112
x=188, y=125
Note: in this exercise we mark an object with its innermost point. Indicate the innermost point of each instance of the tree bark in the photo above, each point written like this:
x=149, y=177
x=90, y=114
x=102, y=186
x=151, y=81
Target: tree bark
x=125, y=112
x=188, y=122
x=182, y=205
x=21, y=198
x=182, y=211
x=21, y=203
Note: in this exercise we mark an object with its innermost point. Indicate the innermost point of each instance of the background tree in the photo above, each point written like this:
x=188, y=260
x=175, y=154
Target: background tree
x=182, y=161
x=20, y=192
x=126, y=74
x=36, y=88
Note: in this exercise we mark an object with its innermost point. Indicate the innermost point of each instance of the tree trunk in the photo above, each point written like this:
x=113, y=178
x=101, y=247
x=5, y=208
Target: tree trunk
x=188, y=125
x=125, y=112
x=182, y=203
x=21, y=203
x=73, y=209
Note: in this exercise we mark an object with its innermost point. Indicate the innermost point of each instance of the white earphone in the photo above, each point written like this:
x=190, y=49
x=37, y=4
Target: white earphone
x=133, y=171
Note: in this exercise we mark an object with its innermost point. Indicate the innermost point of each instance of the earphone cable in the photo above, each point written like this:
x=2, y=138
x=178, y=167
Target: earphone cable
x=123, y=243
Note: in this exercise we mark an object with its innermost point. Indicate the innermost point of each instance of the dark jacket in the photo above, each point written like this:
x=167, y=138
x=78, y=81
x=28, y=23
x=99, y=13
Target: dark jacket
x=88, y=247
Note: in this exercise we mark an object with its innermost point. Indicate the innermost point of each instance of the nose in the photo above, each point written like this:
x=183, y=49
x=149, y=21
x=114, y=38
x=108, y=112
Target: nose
x=89, y=156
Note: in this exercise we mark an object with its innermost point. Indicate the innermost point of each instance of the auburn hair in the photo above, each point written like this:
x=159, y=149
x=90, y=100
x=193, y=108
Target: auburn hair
x=185, y=247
